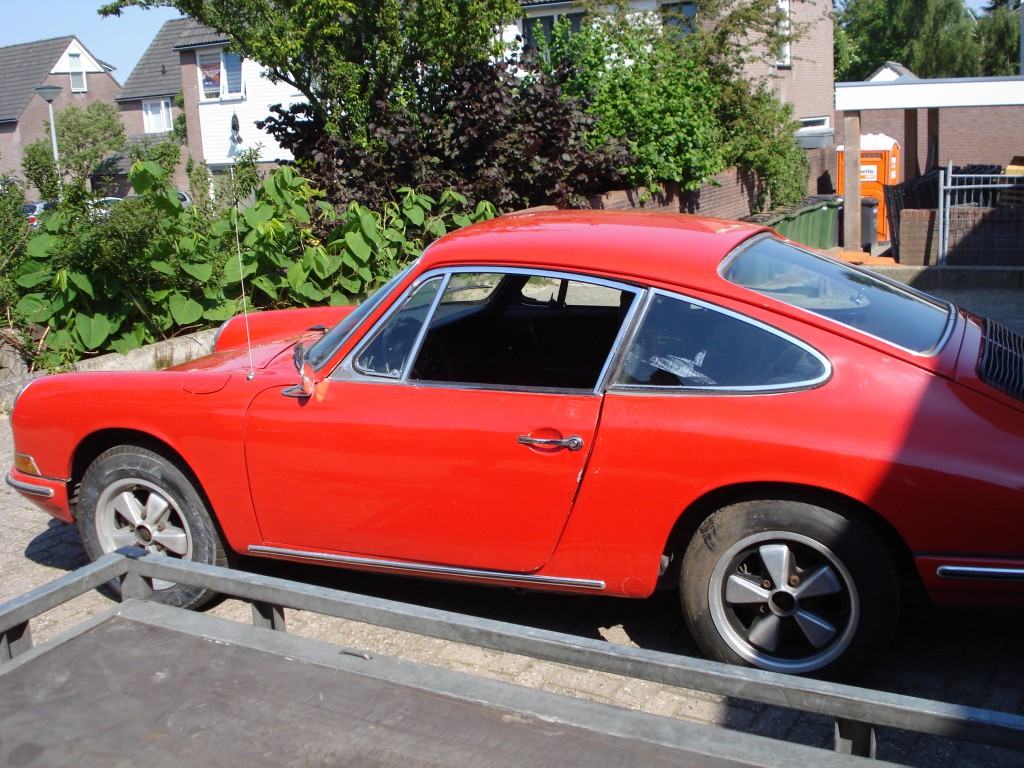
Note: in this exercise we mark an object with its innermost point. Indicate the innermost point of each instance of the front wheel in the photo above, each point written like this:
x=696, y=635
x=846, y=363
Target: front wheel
x=133, y=497
x=788, y=587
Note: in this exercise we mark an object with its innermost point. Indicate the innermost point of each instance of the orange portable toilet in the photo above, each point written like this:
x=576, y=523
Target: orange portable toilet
x=879, y=166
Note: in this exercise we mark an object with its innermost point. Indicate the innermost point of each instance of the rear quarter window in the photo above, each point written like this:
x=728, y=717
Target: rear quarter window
x=688, y=345
x=828, y=288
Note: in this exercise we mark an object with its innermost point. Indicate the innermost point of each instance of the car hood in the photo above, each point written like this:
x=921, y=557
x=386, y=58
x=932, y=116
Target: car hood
x=273, y=356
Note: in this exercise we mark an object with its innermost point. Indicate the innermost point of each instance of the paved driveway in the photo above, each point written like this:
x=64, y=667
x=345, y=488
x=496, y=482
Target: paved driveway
x=973, y=658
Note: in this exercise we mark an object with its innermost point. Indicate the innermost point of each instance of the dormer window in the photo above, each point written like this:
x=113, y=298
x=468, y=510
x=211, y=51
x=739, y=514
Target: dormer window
x=220, y=75
x=78, y=81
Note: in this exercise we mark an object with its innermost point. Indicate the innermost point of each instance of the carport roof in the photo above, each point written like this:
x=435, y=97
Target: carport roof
x=913, y=93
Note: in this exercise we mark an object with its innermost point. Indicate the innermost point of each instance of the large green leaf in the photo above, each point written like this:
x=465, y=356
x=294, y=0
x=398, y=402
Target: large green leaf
x=201, y=272
x=232, y=273
x=255, y=215
x=184, y=309
x=162, y=267
x=39, y=246
x=219, y=312
x=297, y=275
x=83, y=283
x=357, y=244
x=93, y=330
x=34, y=308
x=31, y=274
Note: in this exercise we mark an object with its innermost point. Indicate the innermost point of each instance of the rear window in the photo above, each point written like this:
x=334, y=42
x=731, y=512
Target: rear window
x=856, y=298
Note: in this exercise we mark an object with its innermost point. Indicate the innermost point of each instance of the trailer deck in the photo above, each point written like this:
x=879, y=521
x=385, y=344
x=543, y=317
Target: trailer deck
x=146, y=684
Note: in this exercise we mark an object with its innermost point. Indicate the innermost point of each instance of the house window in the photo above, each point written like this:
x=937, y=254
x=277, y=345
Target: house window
x=679, y=15
x=537, y=30
x=156, y=115
x=78, y=83
x=220, y=75
x=785, y=58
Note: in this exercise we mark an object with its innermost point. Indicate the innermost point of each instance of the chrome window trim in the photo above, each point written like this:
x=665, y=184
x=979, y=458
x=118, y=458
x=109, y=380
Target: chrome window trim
x=348, y=371
x=682, y=389
x=933, y=351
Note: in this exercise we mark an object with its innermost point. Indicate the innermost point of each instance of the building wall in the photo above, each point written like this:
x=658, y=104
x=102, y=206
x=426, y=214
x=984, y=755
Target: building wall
x=132, y=119
x=190, y=98
x=808, y=81
x=135, y=129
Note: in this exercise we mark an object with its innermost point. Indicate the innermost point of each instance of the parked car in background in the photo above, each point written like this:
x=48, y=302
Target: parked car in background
x=34, y=211
x=101, y=206
x=587, y=402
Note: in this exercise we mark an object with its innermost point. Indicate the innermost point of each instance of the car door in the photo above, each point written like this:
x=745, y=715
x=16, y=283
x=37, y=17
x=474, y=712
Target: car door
x=448, y=437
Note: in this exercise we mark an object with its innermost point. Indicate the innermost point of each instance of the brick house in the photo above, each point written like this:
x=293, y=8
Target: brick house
x=60, y=61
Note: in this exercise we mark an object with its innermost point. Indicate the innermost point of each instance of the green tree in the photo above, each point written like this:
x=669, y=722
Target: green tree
x=345, y=56
x=933, y=38
x=13, y=236
x=85, y=138
x=943, y=40
x=999, y=32
x=677, y=89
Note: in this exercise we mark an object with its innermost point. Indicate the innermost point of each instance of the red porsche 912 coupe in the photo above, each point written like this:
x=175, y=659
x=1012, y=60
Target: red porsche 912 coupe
x=587, y=402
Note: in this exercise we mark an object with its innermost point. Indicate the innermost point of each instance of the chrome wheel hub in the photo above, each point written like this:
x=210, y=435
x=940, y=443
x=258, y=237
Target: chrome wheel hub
x=135, y=513
x=783, y=602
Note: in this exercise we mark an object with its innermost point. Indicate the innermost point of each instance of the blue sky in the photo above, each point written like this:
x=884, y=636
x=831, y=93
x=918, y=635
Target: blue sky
x=117, y=40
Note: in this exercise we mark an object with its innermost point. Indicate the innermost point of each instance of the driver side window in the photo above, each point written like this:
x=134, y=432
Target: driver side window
x=495, y=329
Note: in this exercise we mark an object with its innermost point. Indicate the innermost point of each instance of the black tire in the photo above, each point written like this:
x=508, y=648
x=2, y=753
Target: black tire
x=788, y=587
x=123, y=491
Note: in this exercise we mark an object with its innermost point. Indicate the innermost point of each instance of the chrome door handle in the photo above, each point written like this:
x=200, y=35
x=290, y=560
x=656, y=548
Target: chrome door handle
x=573, y=443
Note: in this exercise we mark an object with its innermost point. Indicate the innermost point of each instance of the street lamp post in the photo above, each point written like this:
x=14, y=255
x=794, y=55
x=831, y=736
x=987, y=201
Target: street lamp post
x=48, y=93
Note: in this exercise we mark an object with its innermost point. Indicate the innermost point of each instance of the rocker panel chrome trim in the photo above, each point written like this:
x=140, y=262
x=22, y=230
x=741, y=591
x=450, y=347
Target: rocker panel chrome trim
x=433, y=570
x=979, y=572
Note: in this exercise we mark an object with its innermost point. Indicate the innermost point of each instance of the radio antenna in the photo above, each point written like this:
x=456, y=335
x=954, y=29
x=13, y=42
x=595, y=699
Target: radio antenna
x=241, y=277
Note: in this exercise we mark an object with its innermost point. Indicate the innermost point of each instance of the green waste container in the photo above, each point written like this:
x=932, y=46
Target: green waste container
x=814, y=222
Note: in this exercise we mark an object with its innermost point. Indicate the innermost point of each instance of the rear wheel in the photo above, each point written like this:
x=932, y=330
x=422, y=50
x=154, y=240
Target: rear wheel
x=133, y=497
x=788, y=587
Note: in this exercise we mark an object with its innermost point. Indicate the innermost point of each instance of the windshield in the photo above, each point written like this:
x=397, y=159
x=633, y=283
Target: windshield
x=857, y=298
x=324, y=349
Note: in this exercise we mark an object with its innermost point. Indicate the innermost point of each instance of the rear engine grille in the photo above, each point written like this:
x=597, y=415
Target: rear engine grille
x=1002, y=360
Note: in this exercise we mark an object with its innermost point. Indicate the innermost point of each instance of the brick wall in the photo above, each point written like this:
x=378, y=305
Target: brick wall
x=988, y=237
x=190, y=94
x=807, y=81
x=918, y=238
x=733, y=195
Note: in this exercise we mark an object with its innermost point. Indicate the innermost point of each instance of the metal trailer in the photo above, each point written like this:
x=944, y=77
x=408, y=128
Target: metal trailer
x=146, y=684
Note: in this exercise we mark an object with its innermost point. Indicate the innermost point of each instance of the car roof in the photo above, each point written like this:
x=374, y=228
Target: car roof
x=649, y=246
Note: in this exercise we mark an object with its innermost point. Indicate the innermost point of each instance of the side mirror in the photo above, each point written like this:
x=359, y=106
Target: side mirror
x=307, y=377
